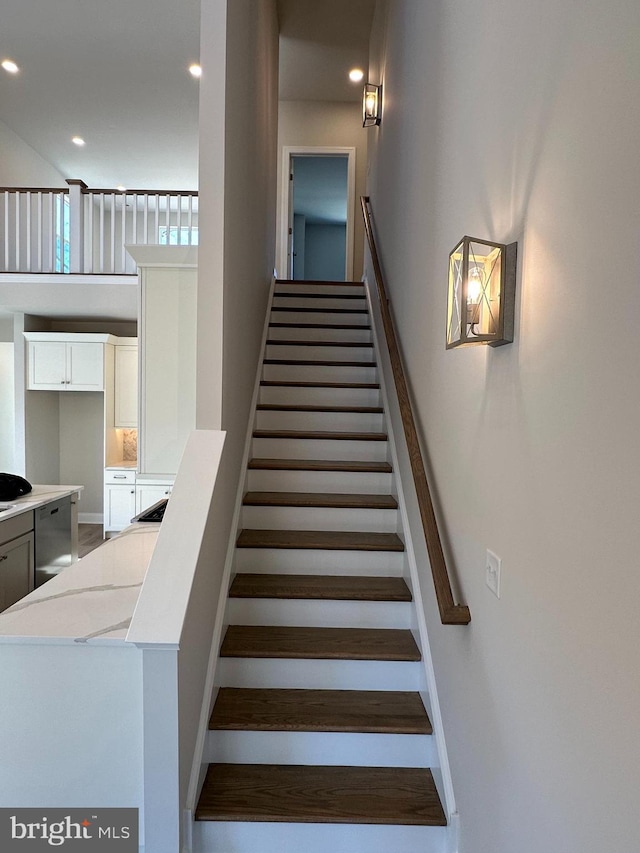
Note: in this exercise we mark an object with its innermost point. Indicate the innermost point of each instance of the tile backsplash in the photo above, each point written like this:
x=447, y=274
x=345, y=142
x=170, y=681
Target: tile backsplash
x=129, y=445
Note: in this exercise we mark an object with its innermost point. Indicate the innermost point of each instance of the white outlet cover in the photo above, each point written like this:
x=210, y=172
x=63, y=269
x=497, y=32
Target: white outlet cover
x=493, y=567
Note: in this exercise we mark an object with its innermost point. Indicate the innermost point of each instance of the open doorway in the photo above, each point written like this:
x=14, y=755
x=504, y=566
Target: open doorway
x=318, y=217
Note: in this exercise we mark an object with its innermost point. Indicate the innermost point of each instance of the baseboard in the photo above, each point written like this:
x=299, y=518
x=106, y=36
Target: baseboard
x=90, y=518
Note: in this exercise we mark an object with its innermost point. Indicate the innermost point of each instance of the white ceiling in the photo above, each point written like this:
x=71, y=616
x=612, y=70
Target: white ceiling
x=115, y=73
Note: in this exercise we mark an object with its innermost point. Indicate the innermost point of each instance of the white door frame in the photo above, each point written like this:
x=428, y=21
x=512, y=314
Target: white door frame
x=316, y=151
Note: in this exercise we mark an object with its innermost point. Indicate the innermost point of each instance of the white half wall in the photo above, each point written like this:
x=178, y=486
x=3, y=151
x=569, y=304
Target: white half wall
x=520, y=121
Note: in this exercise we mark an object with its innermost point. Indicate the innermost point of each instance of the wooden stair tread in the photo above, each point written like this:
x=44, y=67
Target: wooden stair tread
x=332, y=500
x=324, y=435
x=276, y=342
x=371, y=711
x=307, y=310
x=319, y=465
x=319, y=587
x=327, y=540
x=320, y=794
x=353, y=410
x=301, y=643
x=350, y=326
x=302, y=281
x=280, y=383
x=312, y=362
x=307, y=295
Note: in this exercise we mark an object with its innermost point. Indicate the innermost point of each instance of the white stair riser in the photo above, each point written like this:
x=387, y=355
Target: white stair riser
x=318, y=373
x=317, y=315
x=343, y=421
x=304, y=333
x=318, y=613
x=313, y=448
x=319, y=674
x=301, y=561
x=319, y=518
x=318, y=303
x=236, y=837
x=327, y=748
x=302, y=396
x=337, y=482
x=321, y=353
x=313, y=287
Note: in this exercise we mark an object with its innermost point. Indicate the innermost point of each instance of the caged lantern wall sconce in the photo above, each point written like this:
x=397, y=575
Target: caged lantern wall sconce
x=482, y=287
x=371, y=105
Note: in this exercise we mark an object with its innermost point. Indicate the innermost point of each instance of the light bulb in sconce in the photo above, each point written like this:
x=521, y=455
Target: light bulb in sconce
x=474, y=292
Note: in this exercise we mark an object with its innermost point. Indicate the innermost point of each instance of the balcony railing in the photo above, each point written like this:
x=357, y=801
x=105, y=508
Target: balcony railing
x=82, y=230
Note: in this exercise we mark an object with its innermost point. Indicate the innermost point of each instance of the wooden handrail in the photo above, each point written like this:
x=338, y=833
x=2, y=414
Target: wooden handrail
x=450, y=613
x=62, y=190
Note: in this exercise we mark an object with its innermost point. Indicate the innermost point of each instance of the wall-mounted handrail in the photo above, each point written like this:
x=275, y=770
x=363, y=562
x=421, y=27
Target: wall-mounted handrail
x=450, y=613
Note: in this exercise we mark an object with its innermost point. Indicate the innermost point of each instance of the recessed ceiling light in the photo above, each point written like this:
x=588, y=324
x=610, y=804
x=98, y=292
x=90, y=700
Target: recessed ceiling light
x=121, y=189
x=356, y=75
x=77, y=140
x=10, y=66
x=195, y=70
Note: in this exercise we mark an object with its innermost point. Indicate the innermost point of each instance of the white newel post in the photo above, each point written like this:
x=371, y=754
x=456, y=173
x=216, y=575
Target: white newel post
x=76, y=225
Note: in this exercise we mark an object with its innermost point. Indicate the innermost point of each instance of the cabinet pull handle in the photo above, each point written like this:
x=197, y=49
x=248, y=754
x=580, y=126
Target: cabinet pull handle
x=119, y=476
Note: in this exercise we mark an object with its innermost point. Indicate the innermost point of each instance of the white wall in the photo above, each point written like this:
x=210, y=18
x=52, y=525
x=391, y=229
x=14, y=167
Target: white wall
x=22, y=166
x=237, y=205
x=325, y=123
x=81, y=448
x=521, y=121
x=325, y=252
x=7, y=409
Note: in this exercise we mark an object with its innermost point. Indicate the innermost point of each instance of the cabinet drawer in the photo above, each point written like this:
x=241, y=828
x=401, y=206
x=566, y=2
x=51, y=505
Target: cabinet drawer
x=11, y=528
x=119, y=476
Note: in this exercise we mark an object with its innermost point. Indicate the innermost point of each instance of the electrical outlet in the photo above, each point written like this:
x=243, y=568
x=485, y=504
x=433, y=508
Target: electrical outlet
x=494, y=564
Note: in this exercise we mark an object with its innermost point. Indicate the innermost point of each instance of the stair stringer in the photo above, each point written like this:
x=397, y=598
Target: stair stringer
x=409, y=532
x=200, y=764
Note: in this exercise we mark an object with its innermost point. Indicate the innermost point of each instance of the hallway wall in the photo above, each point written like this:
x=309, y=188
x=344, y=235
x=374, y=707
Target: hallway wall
x=323, y=123
x=521, y=121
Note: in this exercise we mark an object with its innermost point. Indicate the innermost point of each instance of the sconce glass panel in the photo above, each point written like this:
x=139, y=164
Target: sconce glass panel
x=481, y=294
x=371, y=105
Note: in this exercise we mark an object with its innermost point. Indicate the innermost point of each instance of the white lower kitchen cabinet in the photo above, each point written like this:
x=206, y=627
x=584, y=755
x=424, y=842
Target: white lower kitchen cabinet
x=16, y=569
x=149, y=494
x=119, y=506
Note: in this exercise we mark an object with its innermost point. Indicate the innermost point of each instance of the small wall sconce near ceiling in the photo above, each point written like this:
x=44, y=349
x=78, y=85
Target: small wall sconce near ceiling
x=371, y=105
x=482, y=287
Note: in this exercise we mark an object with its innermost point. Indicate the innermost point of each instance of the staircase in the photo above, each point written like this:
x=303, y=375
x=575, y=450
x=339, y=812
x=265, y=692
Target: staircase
x=319, y=739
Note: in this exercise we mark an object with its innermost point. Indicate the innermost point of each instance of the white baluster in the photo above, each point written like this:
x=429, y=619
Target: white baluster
x=28, y=227
x=189, y=218
x=101, y=233
x=179, y=217
x=156, y=233
x=123, y=232
x=145, y=219
x=6, y=231
x=168, y=217
x=17, y=242
x=40, y=227
x=113, y=233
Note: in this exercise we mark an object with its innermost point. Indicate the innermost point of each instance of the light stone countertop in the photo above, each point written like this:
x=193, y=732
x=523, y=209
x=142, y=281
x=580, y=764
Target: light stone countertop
x=37, y=497
x=90, y=602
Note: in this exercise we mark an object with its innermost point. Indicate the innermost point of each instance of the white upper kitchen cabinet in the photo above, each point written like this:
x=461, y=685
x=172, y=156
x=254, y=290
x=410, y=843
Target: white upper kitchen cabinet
x=58, y=361
x=126, y=391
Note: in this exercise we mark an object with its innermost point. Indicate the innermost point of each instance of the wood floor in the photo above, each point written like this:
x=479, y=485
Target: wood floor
x=89, y=538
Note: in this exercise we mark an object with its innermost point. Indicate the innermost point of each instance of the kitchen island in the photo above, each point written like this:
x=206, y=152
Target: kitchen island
x=38, y=538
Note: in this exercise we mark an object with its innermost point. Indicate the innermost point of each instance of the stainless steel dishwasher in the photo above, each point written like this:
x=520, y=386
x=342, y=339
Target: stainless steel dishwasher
x=52, y=539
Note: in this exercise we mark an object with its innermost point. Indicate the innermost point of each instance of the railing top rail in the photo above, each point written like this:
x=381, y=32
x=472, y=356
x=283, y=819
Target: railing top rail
x=34, y=190
x=91, y=190
x=450, y=613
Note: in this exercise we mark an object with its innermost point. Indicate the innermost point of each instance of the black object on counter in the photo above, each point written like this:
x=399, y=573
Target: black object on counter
x=12, y=486
x=154, y=513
